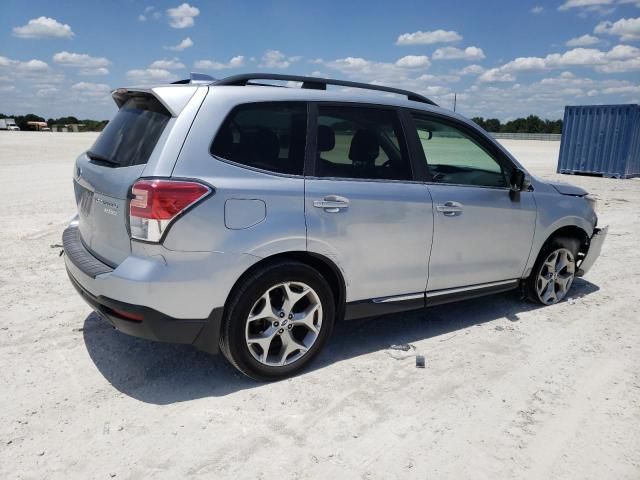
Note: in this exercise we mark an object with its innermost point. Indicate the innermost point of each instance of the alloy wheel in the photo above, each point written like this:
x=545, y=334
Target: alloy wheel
x=283, y=324
x=556, y=276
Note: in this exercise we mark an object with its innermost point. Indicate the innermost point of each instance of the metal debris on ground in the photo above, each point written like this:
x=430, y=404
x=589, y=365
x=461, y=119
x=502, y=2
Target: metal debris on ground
x=401, y=351
x=405, y=347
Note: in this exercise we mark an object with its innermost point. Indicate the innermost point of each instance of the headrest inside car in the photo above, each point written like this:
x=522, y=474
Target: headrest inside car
x=365, y=147
x=326, y=138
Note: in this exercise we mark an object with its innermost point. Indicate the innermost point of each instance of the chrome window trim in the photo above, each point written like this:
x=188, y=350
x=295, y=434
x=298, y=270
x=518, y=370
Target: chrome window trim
x=399, y=298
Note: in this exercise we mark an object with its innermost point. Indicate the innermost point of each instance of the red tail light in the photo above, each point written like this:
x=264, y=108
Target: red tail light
x=136, y=317
x=156, y=203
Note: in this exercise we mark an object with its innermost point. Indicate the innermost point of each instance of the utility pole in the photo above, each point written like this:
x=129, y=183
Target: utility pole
x=455, y=100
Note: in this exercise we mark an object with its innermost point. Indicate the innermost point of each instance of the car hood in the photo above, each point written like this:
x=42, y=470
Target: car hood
x=568, y=189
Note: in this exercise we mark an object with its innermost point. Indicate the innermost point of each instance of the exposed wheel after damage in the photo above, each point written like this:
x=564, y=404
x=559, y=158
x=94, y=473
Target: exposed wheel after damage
x=554, y=271
x=277, y=321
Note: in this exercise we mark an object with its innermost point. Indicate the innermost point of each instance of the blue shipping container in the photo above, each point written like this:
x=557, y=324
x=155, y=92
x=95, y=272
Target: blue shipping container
x=601, y=140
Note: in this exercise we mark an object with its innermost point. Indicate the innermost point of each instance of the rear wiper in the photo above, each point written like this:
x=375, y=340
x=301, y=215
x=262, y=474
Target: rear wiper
x=96, y=157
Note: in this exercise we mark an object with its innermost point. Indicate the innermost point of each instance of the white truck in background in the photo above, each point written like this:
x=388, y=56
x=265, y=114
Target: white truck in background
x=8, y=124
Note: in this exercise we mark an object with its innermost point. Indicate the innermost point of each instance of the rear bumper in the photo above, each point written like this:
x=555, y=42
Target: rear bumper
x=595, y=247
x=94, y=281
x=154, y=325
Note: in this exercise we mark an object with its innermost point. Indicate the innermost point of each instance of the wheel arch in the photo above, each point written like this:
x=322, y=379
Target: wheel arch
x=325, y=266
x=570, y=230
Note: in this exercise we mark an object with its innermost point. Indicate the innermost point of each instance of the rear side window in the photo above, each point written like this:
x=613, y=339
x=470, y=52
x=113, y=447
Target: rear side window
x=270, y=136
x=360, y=142
x=130, y=137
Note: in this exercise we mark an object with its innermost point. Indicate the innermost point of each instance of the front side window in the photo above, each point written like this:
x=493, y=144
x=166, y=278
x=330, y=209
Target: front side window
x=270, y=136
x=453, y=157
x=362, y=143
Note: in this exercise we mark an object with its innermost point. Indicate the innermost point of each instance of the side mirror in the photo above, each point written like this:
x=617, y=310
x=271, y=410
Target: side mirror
x=516, y=182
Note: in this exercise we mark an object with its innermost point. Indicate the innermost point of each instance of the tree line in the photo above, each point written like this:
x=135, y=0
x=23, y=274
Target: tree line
x=531, y=124
x=88, y=125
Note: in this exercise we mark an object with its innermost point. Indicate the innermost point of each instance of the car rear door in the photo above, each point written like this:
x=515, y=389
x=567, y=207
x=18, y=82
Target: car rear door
x=482, y=232
x=363, y=208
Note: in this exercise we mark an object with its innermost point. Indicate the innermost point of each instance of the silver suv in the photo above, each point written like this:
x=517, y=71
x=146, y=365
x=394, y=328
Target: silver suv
x=248, y=218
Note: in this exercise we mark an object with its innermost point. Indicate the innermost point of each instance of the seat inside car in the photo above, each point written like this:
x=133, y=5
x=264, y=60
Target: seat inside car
x=364, y=150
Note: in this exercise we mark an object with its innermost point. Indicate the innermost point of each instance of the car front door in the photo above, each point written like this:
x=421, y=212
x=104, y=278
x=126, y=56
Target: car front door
x=363, y=208
x=482, y=232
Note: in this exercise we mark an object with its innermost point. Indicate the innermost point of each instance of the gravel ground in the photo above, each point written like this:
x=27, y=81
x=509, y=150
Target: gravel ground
x=510, y=390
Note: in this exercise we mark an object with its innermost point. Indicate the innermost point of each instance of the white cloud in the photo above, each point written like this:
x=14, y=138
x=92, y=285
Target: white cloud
x=583, y=41
x=584, y=3
x=81, y=60
x=183, y=45
x=630, y=89
x=94, y=71
x=235, y=62
x=149, y=13
x=628, y=29
x=453, y=53
x=472, y=70
x=168, y=64
x=623, y=52
x=601, y=7
x=350, y=64
x=28, y=66
x=47, y=91
x=523, y=64
x=620, y=66
x=43, y=27
x=277, y=59
x=537, y=9
x=148, y=76
x=182, y=16
x=87, y=89
x=390, y=74
x=413, y=61
x=427, y=38
x=496, y=75
x=33, y=66
x=621, y=58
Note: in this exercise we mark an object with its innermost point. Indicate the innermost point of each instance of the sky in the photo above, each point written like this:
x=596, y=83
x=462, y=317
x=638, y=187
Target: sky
x=503, y=59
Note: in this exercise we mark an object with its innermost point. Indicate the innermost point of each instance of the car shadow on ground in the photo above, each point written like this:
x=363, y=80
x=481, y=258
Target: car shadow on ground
x=161, y=373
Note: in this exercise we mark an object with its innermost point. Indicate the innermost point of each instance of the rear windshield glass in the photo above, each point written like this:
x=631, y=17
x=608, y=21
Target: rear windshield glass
x=130, y=137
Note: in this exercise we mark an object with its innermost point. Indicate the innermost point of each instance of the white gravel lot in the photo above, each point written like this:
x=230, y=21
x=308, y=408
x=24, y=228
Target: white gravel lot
x=510, y=390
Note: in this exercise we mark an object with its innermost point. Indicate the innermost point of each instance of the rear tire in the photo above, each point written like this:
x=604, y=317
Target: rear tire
x=277, y=321
x=554, y=271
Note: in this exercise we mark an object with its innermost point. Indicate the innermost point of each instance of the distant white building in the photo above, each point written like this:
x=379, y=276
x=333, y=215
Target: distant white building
x=8, y=124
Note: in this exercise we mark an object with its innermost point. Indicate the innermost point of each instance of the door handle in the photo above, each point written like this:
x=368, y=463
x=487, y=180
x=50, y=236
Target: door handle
x=450, y=209
x=332, y=203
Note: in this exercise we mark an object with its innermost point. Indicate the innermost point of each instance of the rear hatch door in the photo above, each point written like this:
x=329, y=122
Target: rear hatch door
x=104, y=174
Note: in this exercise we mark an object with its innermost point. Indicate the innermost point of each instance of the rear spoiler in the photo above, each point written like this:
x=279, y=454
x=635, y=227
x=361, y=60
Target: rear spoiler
x=174, y=97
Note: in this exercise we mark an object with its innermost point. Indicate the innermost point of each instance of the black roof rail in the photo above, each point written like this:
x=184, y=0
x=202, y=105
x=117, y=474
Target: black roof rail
x=318, y=83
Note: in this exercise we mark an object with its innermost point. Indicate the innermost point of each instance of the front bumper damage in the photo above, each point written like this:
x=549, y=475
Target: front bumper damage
x=595, y=247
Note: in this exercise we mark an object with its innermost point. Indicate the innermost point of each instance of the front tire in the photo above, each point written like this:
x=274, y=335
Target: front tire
x=554, y=271
x=277, y=321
